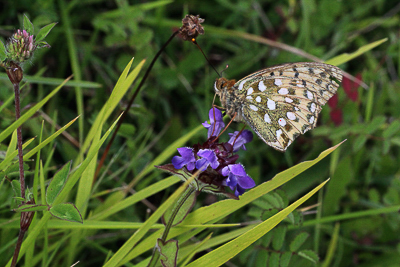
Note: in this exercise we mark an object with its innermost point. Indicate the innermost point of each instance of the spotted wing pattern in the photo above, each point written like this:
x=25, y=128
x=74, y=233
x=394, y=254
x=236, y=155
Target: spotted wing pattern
x=282, y=102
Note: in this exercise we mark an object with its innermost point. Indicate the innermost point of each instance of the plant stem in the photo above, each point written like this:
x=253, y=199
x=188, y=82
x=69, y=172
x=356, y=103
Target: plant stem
x=156, y=254
x=19, y=139
x=17, y=248
x=103, y=157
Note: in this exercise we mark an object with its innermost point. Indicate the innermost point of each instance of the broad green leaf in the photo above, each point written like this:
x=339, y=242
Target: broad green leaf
x=298, y=241
x=279, y=236
x=168, y=252
x=224, y=253
x=67, y=212
x=3, y=52
x=28, y=26
x=336, y=189
x=309, y=255
x=345, y=57
x=43, y=32
x=285, y=259
x=57, y=183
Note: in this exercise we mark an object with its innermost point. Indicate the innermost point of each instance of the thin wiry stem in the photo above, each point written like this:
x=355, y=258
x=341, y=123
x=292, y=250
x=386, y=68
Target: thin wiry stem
x=103, y=157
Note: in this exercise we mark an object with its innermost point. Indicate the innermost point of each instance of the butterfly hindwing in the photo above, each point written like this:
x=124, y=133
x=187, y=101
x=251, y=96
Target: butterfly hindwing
x=282, y=102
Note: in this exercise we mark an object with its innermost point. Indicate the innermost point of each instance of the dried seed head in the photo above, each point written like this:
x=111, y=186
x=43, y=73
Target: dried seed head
x=191, y=27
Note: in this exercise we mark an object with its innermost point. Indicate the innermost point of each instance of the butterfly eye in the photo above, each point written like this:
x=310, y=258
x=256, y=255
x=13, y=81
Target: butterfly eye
x=216, y=87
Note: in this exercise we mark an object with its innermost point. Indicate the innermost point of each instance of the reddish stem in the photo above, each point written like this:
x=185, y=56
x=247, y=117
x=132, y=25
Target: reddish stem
x=19, y=140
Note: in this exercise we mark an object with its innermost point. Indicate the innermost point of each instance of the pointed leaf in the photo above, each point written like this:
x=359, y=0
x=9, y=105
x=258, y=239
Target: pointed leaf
x=3, y=52
x=168, y=252
x=44, y=32
x=30, y=207
x=392, y=129
x=225, y=252
x=309, y=255
x=67, y=212
x=343, y=58
x=298, y=241
x=57, y=183
x=28, y=26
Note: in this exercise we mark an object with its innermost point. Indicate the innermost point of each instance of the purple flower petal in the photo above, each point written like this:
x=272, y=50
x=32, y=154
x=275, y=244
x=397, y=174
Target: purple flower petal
x=237, y=179
x=208, y=159
x=245, y=137
x=187, y=158
x=215, y=126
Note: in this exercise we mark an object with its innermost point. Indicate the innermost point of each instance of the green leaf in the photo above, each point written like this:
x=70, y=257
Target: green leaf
x=16, y=186
x=44, y=32
x=309, y=255
x=298, y=241
x=57, y=183
x=28, y=26
x=168, y=252
x=285, y=259
x=225, y=252
x=30, y=207
x=392, y=129
x=3, y=52
x=375, y=124
x=5, y=133
x=279, y=235
x=268, y=214
x=345, y=57
x=183, y=210
x=273, y=259
x=67, y=212
x=359, y=142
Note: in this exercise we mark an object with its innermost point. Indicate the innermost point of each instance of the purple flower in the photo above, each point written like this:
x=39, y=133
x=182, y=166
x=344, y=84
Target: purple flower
x=245, y=137
x=237, y=179
x=215, y=126
x=208, y=159
x=187, y=159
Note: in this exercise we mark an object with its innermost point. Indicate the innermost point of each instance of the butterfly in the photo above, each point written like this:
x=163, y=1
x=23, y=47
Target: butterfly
x=281, y=102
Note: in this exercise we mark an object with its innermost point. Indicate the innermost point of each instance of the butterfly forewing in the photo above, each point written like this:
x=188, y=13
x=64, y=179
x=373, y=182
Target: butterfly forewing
x=282, y=102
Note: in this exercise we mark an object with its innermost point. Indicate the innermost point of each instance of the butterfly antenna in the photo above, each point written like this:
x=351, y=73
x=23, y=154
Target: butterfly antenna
x=201, y=50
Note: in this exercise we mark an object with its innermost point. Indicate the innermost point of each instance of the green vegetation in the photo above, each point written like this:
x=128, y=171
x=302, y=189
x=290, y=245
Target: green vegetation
x=107, y=46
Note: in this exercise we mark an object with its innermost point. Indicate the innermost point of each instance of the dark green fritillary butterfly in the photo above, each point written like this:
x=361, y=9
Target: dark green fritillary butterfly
x=281, y=102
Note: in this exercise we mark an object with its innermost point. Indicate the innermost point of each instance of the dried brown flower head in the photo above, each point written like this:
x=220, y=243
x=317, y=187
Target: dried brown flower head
x=191, y=27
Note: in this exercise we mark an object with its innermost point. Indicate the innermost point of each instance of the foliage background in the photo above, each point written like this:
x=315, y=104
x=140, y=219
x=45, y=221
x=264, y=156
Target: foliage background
x=94, y=40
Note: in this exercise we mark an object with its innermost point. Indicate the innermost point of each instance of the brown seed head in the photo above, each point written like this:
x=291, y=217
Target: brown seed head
x=191, y=27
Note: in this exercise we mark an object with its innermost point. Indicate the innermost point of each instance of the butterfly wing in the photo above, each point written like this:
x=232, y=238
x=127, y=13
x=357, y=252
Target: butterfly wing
x=284, y=101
